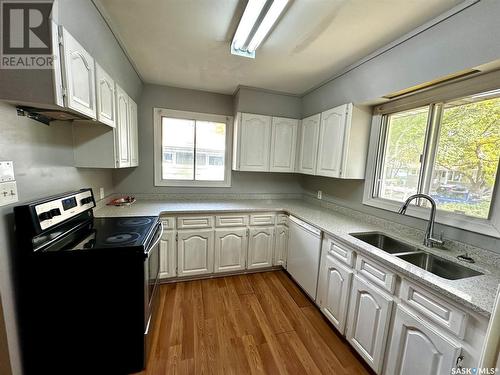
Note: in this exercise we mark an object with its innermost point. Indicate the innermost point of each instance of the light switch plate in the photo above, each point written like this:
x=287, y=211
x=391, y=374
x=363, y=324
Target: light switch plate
x=8, y=193
x=6, y=171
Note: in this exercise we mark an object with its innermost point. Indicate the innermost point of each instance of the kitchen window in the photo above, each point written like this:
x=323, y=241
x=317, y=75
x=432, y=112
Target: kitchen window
x=449, y=149
x=186, y=144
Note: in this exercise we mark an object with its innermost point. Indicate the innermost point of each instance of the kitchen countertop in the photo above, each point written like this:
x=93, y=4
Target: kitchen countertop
x=477, y=293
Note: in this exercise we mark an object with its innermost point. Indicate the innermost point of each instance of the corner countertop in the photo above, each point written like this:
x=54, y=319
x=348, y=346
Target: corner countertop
x=476, y=293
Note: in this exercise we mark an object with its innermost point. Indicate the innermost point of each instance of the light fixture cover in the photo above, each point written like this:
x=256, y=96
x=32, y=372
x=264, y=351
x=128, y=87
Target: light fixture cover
x=245, y=42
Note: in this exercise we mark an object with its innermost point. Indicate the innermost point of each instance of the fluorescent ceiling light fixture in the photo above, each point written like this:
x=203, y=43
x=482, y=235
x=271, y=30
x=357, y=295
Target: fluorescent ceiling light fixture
x=258, y=18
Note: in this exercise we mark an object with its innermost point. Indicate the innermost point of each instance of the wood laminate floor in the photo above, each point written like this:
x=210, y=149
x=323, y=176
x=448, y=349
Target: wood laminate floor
x=259, y=323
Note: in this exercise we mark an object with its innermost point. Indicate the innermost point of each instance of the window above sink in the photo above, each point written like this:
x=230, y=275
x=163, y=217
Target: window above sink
x=444, y=143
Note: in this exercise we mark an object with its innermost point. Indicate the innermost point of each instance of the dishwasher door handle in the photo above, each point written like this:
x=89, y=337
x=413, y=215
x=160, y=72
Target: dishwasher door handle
x=305, y=225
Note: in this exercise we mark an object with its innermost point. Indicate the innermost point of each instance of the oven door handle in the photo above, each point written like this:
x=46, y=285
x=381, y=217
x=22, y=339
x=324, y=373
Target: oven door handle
x=146, y=253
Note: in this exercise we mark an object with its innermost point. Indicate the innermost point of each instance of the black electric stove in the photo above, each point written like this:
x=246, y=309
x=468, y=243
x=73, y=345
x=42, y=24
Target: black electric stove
x=129, y=233
x=88, y=291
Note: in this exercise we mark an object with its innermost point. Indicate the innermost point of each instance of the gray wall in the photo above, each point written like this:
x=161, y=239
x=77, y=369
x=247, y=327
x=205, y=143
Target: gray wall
x=263, y=102
x=141, y=179
x=83, y=21
x=464, y=41
x=43, y=155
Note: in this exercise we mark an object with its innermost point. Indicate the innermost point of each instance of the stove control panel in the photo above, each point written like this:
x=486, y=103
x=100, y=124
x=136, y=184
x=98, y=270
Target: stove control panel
x=60, y=209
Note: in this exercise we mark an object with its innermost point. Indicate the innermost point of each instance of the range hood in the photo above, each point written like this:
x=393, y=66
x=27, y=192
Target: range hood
x=40, y=94
x=45, y=116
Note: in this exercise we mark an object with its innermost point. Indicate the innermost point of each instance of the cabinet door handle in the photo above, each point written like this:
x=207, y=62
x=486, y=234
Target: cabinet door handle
x=458, y=363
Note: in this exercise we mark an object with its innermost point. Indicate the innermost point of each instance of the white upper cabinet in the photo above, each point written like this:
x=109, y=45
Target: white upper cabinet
x=264, y=143
x=283, y=144
x=308, y=145
x=106, y=98
x=122, y=133
x=133, y=133
x=255, y=142
x=331, y=141
x=79, y=74
x=335, y=143
x=417, y=348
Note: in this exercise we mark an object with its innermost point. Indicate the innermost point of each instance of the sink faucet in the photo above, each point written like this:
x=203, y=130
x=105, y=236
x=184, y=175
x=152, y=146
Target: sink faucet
x=429, y=239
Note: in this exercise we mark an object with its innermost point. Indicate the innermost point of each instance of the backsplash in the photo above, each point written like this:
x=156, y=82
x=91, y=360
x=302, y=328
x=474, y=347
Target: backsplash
x=404, y=231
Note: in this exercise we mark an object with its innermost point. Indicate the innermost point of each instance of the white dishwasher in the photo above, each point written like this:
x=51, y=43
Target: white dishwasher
x=304, y=250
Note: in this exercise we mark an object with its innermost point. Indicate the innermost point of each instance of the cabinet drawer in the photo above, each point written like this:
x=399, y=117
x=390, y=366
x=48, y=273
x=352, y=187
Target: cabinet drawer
x=188, y=222
x=231, y=220
x=282, y=219
x=168, y=223
x=339, y=251
x=262, y=219
x=434, y=308
x=376, y=273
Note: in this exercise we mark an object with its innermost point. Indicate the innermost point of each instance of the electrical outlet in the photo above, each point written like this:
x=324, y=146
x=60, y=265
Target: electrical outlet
x=320, y=194
x=8, y=193
x=6, y=171
x=101, y=193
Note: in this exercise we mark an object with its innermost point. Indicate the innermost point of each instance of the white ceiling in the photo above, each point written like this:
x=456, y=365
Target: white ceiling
x=185, y=43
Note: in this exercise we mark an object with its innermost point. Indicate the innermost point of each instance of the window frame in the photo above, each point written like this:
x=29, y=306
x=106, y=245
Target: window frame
x=378, y=137
x=158, y=113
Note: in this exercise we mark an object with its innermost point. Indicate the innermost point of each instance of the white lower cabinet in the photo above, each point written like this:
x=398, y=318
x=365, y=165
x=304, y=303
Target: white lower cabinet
x=195, y=252
x=334, y=287
x=167, y=255
x=418, y=348
x=368, y=321
x=281, y=246
x=260, y=247
x=230, y=249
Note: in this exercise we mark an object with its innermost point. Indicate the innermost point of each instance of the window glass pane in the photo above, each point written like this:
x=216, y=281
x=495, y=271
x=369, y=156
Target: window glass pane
x=404, y=145
x=467, y=156
x=210, y=150
x=178, y=149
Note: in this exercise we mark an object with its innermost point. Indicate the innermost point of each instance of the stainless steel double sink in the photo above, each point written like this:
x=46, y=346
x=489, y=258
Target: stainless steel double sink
x=438, y=266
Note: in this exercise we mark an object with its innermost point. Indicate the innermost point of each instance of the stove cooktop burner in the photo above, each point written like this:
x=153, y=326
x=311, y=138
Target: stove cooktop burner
x=120, y=238
x=135, y=221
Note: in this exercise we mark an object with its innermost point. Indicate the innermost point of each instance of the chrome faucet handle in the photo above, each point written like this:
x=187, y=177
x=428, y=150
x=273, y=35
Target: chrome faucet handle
x=434, y=242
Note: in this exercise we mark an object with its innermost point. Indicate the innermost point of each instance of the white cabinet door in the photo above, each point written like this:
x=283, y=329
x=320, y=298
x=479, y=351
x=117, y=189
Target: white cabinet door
x=333, y=290
x=281, y=247
x=230, y=249
x=368, y=321
x=260, y=247
x=308, y=144
x=255, y=142
x=167, y=255
x=133, y=134
x=417, y=348
x=331, y=141
x=195, y=252
x=106, y=98
x=283, y=144
x=122, y=133
x=79, y=74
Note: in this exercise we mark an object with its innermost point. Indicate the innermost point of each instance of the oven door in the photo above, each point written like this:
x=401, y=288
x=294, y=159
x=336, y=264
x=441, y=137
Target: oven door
x=151, y=276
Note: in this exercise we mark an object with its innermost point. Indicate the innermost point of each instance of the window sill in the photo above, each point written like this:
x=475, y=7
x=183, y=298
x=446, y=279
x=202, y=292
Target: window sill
x=193, y=184
x=471, y=224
